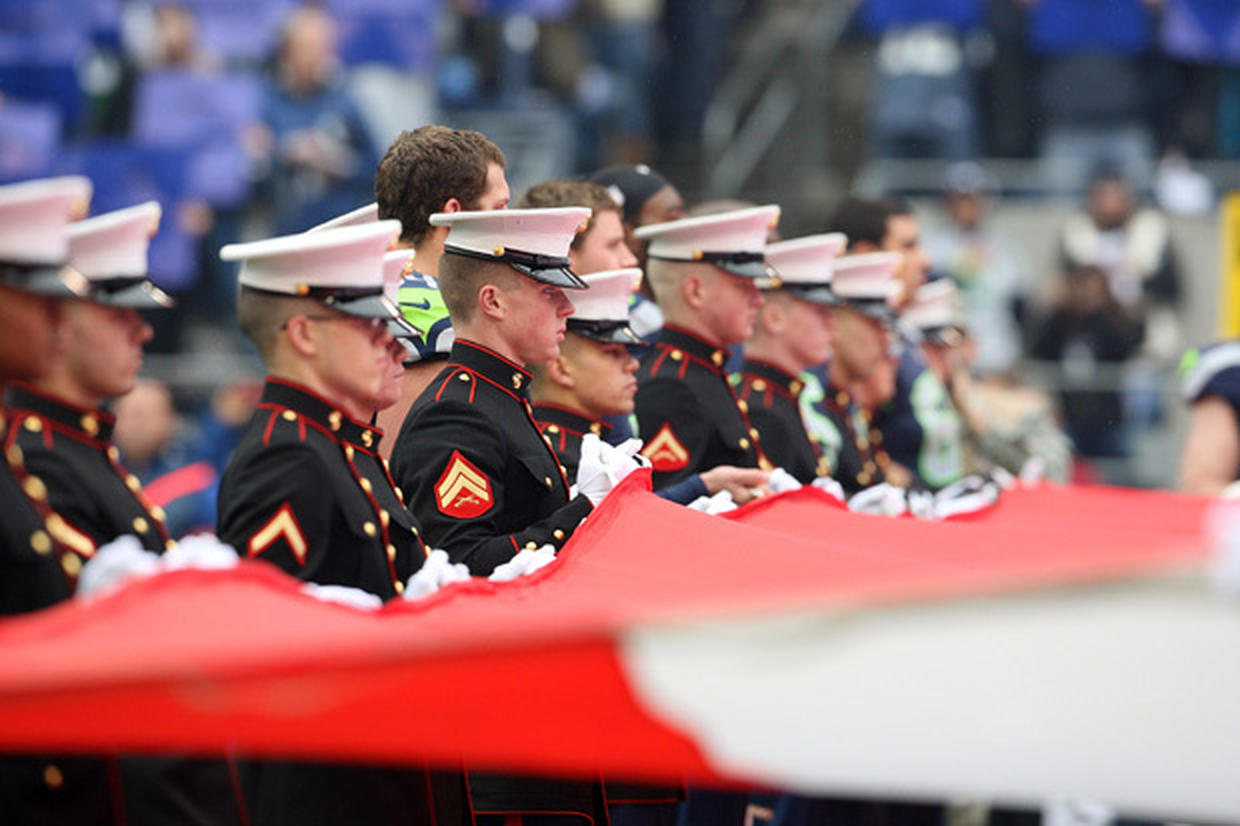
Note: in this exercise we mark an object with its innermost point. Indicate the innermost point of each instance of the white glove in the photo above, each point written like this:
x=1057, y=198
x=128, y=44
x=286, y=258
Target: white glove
x=524, y=563
x=436, y=572
x=920, y=504
x=202, y=550
x=1005, y=480
x=343, y=595
x=601, y=466
x=632, y=448
x=968, y=495
x=1032, y=471
x=1064, y=811
x=121, y=560
x=721, y=502
x=883, y=499
x=782, y=481
x=826, y=483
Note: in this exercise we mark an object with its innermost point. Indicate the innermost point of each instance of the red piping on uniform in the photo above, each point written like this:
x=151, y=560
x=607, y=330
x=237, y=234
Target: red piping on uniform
x=180, y=482
x=502, y=358
x=271, y=422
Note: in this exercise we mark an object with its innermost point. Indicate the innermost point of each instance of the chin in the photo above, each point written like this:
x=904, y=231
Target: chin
x=119, y=388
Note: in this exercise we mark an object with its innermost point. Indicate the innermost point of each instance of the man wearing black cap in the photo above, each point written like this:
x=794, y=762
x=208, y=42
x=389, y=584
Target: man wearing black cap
x=305, y=489
x=645, y=197
x=36, y=568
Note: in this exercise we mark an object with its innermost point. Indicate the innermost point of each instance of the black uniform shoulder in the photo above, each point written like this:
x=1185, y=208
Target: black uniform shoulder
x=1212, y=371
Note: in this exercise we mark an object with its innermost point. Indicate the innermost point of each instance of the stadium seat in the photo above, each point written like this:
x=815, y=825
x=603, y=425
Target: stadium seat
x=29, y=139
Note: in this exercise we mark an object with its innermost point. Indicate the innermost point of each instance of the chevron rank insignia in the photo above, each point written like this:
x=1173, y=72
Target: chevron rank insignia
x=665, y=451
x=281, y=526
x=463, y=491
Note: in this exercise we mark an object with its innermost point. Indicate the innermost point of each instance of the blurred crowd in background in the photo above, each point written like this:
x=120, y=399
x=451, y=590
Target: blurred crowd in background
x=1103, y=125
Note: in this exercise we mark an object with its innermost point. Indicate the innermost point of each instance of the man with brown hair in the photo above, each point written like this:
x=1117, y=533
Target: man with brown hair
x=601, y=245
x=431, y=169
x=436, y=169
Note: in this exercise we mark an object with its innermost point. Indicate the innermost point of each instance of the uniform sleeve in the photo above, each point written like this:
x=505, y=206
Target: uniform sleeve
x=1225, y=384
x=675, y=429
x=277, y=507
x=451, y=467
x=685, y=491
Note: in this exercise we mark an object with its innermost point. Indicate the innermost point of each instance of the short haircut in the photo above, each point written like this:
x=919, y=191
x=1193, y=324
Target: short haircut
x=461, y=277
x=665, y=278
x=865, y=219
x=562, y=192
x=427, y=167
x=261, y=316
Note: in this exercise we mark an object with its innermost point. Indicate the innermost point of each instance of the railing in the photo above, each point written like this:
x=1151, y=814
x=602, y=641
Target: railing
x=1153, y=442
x=777, y=75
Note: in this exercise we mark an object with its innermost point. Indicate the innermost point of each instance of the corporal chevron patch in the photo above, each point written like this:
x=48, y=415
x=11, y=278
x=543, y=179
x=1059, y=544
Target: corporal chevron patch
x=463, y=491
x=283, y=525
x=665, y=451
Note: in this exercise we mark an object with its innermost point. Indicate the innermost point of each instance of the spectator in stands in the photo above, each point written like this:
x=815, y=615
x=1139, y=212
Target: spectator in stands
x=924, y=103
x=1133, y=249
x=1092, y=90
x=168, y=39
x=645, y=197
x=1198, y=37
x=989, y=268
x=155, y=447
x=1086, y=331
x=322, y=157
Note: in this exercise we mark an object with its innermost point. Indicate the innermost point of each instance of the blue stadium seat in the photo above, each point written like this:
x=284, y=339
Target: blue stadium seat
x=203, y=116
x=125, y=174
x=29, y=139
x=55, y=83
x=404, y=39
x=540, y=9
x=244, y=31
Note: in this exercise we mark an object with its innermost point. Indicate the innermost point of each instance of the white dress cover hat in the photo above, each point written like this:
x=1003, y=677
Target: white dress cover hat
x=534, y=242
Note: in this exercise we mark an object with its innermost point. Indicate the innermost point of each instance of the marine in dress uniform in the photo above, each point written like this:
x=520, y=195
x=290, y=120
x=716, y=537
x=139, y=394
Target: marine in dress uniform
x=478, y=474
x=704, y=272
x=793, y=334
x=863, y=284
x=70, y=445
x=306, y=490
x=37, y=569
x=592, y=378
